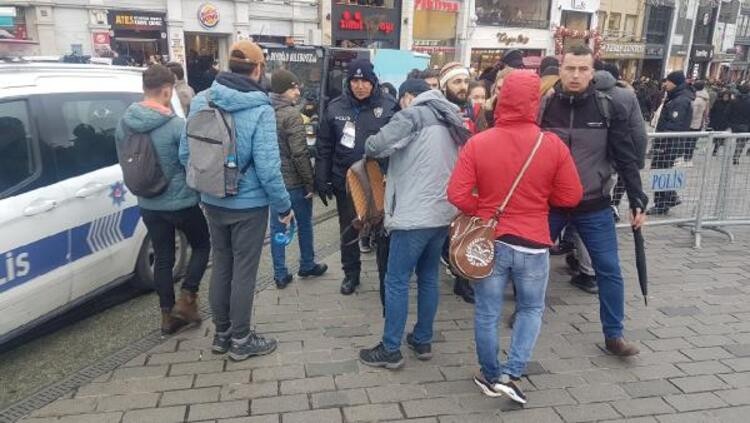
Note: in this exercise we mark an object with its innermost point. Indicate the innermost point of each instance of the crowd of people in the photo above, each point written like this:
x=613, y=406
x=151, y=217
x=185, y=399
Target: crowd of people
x=447, y=143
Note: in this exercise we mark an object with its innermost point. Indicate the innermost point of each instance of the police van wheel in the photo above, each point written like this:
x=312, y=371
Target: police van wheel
x=144, y=268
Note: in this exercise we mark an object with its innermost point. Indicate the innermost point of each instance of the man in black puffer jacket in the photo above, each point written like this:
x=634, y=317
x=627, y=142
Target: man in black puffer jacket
x=739, y=118
x=348, y=121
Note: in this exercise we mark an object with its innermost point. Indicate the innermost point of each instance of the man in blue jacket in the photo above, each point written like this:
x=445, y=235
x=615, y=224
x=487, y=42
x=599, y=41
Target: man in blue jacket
x=175, y=208
x=238, y=223
x=349, y=119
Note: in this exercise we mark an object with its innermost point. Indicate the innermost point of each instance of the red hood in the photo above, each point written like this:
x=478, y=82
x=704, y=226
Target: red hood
x=519, y=98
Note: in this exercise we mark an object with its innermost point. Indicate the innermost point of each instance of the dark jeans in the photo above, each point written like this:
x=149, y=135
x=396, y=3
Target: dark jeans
x=597, y=231
x=350, y=261
x=161, y=227
x=237, y=241
x=303, y=215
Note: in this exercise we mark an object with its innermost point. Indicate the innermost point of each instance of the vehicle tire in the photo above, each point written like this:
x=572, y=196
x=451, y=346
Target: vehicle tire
x=144, y=267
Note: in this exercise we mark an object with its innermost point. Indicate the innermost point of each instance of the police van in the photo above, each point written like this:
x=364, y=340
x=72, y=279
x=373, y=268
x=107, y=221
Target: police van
x=69, y=228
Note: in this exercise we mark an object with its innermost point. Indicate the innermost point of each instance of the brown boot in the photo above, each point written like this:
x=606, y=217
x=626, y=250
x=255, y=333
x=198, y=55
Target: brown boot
x=170, y=324
x=621, y=348
x=186, y=307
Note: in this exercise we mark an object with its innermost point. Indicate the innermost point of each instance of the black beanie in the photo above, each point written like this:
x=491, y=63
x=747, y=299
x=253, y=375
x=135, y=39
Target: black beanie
x=548, y=61
x=513, y=58
x=362, y=69
x=612, y=69
x=677, y=77
x=414, y=87
x=551, y=71
x=282, y=80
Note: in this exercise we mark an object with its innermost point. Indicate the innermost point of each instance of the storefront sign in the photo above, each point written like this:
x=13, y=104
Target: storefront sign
x=504, y=38
x=208, y=15
x=624, y=50
x=138, y=22
x=354, y=22
x=292, y=57
x=437, y=5
x=654, y=51
x=578, y=4
x=702, y=53
x=363, y=25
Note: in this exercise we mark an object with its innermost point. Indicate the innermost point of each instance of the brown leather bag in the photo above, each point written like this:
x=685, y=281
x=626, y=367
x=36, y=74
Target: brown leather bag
x=366, y=187
x=472, y=239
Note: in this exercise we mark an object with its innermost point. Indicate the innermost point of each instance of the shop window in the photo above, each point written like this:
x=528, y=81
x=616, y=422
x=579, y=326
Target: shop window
x=613, y=23
x=659, y=21
x=601, y=18
x=630, y=21
x=14, y=26
x=372, y=3
x=518, y=13
x=17, y=164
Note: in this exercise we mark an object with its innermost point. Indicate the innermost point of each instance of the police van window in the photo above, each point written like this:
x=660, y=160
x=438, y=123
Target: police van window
x=80, y=129
x=17, y=164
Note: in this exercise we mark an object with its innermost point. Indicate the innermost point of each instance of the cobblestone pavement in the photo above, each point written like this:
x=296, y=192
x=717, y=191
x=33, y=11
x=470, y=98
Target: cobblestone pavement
x=694, y=365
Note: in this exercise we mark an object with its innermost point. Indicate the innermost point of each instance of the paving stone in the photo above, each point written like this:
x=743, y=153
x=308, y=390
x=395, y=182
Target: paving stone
x=738, y=364
x=692, y=402
x=196, y=368
x=552, y=381
x=161, y=415
x=93, y=418
x=343, y=398
x=253, y=390
x=735, y=396
x=608, y=376
x=429, y=407
x=737, y=380
x=742, y=350
x=586, y=412
x=709, y=340
x=281, y=404
x=456, y=387
x=711, y=353
x=642, y=407
x=139, y=372
x=336, y=368
x=279, y=373
x=680, y=311
x=703, y=368
x=268, y=418
x=135, y=386
x=597, y=393
x=127, y=402
x=672, y=332
x=458, y=372
x=549, y=398
x=372, y=412
x=223, y=378
x=218, y=410
x=308, y=385
x=175, y=357
x=652, y=388
x=668, y=344
x=361, y=380
x=424, y=420
x=486, y=417
x=331, y=415
x=190, y=396
x=634, y=420
x=535, y=415
x=656, y=371
x=396, y=393
x=67, y=406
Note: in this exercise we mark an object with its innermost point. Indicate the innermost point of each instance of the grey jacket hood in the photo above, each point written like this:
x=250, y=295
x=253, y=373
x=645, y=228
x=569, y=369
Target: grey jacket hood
x=445, y=111
x=604, y=80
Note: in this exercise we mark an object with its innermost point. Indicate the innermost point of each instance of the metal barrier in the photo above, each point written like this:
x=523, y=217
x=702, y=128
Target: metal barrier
x=697, y=180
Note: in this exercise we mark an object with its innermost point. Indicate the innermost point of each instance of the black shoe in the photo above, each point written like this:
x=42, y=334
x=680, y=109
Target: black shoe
x=585, y=282
x=250, y=346
x=364, y=246
x=562, y=247
x=573, y=263
x=222, y=342
x=463, y=289
x=422, y=351
x=657, y=211
x=315, y=271
x=349, y=284
x=379, y=357
x=282, y=283
x=510, y=387
x=488, y=388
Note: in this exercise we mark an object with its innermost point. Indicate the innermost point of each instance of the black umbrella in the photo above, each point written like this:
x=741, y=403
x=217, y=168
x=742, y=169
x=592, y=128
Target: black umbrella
x=640, y=263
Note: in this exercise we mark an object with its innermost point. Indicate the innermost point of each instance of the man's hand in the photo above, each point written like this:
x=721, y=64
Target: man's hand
x=325, y=192
x=637, y=218
x=286, y=220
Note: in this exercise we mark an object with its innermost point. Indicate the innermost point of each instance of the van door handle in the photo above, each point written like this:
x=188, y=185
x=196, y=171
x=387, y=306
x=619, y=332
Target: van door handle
x=39, y=207
x=90, y=189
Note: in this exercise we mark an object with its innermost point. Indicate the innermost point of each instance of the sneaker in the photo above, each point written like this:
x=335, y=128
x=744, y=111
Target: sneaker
x=486, y=387
x=510, y=387
x=422, y=351
x=315, y=271
x=585, y=283
x=463, y=289
x=222, y=342
x=250, y=346
x=379, y=357
x=364, y=245
x=282, y=283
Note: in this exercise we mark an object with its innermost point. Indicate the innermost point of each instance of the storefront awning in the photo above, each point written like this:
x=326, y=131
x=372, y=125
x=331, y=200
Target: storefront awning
x=135, y=40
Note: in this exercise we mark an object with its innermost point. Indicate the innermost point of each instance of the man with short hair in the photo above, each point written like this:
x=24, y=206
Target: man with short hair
x=598, y=144
x=174, y=209
x=297, y=170
x=432, y=78
x=349, y=119
x=184, y=92
x=238, y=223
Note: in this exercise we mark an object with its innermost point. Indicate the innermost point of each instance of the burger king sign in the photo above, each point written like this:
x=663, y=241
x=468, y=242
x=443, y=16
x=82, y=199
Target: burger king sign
x=208, y=15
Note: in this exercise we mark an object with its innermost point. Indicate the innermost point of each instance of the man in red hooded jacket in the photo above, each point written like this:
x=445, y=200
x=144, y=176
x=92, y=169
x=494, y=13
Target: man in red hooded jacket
x=489, y=164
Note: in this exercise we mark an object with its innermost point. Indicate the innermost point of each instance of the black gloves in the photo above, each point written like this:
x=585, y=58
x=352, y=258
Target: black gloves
x=325, y=192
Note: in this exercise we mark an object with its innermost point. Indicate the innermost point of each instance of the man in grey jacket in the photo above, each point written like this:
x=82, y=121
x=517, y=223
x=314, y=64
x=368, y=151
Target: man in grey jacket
x=421, y=142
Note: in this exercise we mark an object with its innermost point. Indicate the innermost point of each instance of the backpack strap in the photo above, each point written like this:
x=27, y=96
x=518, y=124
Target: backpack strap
x=603, y=104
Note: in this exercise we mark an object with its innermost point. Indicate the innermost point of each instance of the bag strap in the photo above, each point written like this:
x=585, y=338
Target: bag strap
x=513, y=187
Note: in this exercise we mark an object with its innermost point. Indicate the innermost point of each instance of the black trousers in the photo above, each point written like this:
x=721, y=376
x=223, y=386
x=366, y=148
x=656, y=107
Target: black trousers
x=350, y=260
x=161, y=227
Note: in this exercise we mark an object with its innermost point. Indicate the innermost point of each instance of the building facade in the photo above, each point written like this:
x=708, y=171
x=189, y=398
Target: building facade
x=739, y=67
x=657, y=30
x=620, y=23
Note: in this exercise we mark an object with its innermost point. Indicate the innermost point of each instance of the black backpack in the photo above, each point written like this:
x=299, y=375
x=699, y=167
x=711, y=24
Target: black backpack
x=140, y=165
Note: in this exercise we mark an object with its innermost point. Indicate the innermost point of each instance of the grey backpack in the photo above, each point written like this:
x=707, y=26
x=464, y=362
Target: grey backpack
x=213, y=164
x=140, y=165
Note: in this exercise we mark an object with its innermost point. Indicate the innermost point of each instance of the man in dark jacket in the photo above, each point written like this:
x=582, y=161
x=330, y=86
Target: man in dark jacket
x=676, y=116
x=598, y=145
x=739, y=118
x=296, y=168
x=349, y=119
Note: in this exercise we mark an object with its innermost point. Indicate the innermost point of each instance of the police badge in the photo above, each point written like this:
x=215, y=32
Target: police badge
x=675, y=114
x=378, y=111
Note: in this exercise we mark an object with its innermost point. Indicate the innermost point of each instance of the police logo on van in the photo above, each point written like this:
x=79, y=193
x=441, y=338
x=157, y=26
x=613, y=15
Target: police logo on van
x=117, y=193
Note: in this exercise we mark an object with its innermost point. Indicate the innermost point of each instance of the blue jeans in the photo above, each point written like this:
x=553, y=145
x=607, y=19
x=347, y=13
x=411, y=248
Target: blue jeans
x=303, y=215
x=417, y=249
x=529, y=273
x=597, y=231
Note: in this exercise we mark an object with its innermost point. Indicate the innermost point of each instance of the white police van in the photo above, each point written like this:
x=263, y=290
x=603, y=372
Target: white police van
x=69, y=228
